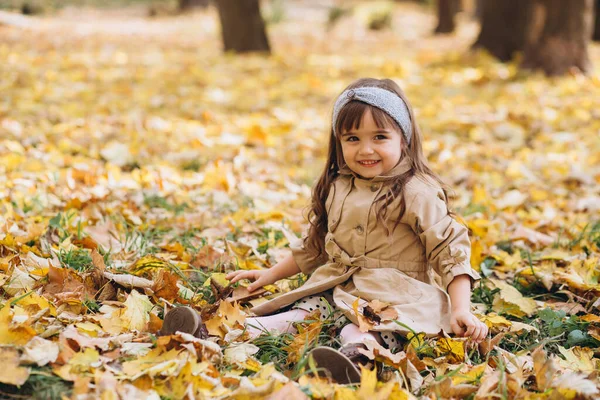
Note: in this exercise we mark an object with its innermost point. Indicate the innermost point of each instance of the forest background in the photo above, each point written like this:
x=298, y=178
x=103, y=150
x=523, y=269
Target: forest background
x=140, y=162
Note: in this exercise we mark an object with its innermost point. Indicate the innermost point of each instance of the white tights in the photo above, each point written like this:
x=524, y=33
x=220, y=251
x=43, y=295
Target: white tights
x=283, y=323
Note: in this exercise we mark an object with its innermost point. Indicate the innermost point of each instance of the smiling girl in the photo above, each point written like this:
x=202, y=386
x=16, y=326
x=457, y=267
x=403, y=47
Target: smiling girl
x=380, y=229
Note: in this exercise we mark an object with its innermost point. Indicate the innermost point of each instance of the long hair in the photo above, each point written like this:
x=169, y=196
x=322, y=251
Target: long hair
x=350, y=117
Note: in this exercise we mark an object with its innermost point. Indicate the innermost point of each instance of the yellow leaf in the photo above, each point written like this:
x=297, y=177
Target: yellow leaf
x=495, y=322
x=88, y=328
x=137, y=311
x=12, y=373
x=34, y=303
x=363, y=323
x=368, y=383
x=84, y=361
x=146, y=263
x=217, y=277
x=228, y=314
x=13, y=334
x=369, y=387
x=416, y=341
x=454, y=350
x=305, y=339
x=510, y=301
x=477, y=256
x=577, y=359
x=156, y=362
x=473, y=374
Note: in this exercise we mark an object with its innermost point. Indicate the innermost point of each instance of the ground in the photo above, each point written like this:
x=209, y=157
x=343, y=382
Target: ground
x=139, y=164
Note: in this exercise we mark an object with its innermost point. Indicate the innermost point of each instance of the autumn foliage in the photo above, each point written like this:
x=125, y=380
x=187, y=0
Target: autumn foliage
x=138, y=165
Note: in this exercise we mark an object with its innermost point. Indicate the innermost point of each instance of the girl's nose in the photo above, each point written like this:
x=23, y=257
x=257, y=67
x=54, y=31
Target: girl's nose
x=366, y=149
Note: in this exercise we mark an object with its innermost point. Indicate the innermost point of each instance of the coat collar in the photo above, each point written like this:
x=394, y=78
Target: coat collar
x=403, y=166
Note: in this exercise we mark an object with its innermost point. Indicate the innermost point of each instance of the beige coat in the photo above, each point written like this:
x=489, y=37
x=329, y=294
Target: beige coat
x=362, y=261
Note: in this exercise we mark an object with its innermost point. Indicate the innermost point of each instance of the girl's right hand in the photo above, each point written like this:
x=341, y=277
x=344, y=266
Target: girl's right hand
x=261, y=277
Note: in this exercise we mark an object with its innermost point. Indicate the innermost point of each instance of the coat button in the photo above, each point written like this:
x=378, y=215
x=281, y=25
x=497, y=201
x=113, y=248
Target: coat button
x=374, y=187
x=360, y=229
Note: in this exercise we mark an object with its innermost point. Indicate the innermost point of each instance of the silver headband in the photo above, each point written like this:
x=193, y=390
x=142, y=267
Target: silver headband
x=383, y=99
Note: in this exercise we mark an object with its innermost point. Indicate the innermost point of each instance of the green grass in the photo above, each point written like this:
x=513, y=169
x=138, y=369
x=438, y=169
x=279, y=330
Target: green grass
x=41, y=385
x=555, y=329
x=156, y=201
x=590, y=233
x=78, y=259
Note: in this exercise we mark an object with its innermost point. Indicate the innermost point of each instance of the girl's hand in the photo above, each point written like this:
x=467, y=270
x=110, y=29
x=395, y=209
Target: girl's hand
x=261, y=277
x=465, y=324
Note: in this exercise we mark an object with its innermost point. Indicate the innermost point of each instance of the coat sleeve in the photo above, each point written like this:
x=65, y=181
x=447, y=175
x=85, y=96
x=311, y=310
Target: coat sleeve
x=446, y=241
x=304, y=259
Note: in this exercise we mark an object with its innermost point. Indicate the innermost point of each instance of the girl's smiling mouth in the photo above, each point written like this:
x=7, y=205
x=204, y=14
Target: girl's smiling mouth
x=369, y=163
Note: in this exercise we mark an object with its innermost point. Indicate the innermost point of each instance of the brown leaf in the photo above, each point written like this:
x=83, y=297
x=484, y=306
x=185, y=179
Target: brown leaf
x=370, y=314
x=364, y=325
x=375, y=351
x=220, y=292
x=87, y=243
x=65, y=283
x=107, y=292
x=411, y=354
x=207, y=257
x=446, y=390
x=241, y=294
x=165, y=285
x=488, y=344
x=98, y=260
x=155, y=323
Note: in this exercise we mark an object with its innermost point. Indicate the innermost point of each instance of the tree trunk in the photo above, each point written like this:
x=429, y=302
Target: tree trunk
x=185, y=5
x=447, y=10
x=596, y=36
x=561, y=45
x=242, y=26
x=503, y=27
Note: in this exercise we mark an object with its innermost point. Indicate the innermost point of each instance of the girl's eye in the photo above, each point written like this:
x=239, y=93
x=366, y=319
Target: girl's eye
x=380, y=137
x=351, y=139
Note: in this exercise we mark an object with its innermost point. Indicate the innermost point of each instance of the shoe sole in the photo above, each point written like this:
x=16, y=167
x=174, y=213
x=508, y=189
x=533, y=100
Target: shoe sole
x=341, y=368
x=183, y=319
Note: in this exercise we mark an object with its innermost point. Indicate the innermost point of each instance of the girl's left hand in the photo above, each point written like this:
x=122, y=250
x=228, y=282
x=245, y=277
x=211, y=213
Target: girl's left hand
x=465, y=324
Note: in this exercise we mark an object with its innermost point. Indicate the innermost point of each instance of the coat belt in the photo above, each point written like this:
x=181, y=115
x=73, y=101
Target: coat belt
x=338, y=255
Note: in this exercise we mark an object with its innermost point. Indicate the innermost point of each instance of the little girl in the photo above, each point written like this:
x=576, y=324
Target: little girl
x=379, y=229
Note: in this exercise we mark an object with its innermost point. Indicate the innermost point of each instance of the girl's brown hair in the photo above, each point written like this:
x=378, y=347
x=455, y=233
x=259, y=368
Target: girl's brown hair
x=350, y=117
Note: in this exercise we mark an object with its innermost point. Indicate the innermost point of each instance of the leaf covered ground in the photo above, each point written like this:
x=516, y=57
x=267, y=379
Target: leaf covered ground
x=139, y=164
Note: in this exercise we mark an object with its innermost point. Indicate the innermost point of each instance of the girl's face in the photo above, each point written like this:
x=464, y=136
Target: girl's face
x=370, y=151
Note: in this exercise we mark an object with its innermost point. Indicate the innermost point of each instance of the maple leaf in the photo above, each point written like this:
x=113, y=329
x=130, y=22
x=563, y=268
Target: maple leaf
x=137, y=311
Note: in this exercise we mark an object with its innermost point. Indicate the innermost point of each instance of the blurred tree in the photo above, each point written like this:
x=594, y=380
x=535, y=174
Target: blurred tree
x=185, y=5
x=596, y=36
x=504, y=26
x=559, y=36
x=242, y=26
x=447, y=10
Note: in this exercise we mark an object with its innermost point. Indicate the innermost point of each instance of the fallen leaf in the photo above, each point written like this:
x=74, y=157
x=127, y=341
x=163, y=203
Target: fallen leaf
x=13, y=333
x=510, y=301
x=363, y=323
x=40, y=351
x=12, y=372
x=137, y=311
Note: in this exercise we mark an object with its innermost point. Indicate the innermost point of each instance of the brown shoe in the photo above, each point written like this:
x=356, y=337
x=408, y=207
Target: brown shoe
x=341, y=369
x=183, y=319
